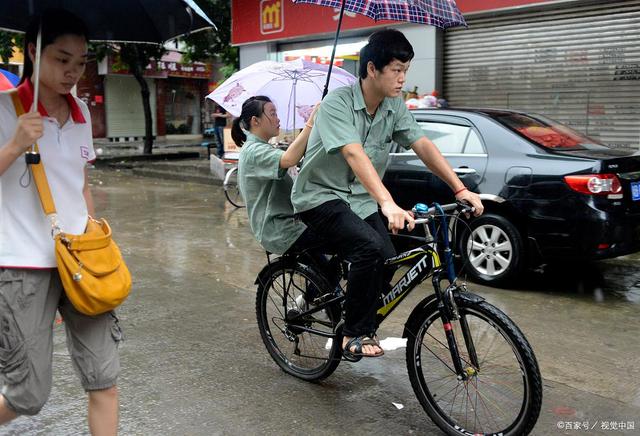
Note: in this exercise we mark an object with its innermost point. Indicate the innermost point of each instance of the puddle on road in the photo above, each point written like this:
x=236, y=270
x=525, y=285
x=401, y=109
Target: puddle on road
x=605, y=281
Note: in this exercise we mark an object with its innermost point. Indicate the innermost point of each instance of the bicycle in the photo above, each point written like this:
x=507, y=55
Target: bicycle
x=470, y=366
x=230, y=183
x=231, y=188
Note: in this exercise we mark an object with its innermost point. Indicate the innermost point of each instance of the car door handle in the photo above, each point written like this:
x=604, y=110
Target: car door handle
x=464, y=170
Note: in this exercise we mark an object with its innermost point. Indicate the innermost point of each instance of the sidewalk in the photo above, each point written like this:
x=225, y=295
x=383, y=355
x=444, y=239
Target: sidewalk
x=179, y=157
x=104, y=147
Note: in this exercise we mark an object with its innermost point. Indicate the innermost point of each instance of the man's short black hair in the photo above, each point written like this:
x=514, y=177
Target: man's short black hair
x=383, y=47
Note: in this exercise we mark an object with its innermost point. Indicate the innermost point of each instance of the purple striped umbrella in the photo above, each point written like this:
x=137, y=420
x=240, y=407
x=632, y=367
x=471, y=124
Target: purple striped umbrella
x=438, y=13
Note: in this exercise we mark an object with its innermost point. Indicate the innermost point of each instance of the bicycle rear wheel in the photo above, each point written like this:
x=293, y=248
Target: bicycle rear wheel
x=502, y=393
x=287, y=290
x=231, y=188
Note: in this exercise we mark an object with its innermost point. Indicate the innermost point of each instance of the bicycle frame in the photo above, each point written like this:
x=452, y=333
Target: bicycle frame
x=428, y=264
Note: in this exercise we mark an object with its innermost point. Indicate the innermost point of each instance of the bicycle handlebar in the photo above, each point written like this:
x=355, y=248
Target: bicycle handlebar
x=424, y=216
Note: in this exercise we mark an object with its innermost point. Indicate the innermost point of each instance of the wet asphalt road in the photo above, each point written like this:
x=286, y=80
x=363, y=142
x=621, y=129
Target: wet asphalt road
x=194, y=364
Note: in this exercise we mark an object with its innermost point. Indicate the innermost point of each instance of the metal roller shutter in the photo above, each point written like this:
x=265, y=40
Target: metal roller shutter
x=577, y=64
x=123, y=104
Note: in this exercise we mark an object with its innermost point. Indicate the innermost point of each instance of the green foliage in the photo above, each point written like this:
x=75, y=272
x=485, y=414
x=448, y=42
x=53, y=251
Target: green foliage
x=212, y=44
x=100, y=50
x=133, y=57
x=9, y=41
x=138, y=56
x=227, y=71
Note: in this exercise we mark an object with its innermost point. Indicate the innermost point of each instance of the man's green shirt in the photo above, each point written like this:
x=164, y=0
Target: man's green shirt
x=343, y=119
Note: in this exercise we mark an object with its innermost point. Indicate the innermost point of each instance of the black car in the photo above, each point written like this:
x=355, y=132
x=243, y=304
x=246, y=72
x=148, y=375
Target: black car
x=550, y=193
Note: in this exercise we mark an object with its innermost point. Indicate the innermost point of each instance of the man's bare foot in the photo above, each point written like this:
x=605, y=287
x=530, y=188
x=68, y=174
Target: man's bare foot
x=361, y=346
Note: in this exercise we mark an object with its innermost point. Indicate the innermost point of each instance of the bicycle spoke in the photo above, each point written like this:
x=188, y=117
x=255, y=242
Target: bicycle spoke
x=482, y=398
x=277, y=306
x=490, y=397
x=443, y=362
x=298, y=351
x=454, y=400
x=446, y=346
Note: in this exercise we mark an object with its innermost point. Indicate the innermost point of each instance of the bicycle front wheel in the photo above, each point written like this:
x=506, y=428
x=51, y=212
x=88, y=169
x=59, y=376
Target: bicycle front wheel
x=288, y=290
x=231, y=188
x=502, y=391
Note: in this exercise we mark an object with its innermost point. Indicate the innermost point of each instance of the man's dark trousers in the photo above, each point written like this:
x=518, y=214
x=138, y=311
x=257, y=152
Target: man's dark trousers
x=365, y=244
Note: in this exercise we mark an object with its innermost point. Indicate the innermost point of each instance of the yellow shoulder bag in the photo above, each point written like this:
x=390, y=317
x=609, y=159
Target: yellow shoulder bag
x=95, y=278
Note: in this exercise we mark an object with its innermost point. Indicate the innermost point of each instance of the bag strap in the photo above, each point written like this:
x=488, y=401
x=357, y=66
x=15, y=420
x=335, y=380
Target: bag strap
x=39, y=174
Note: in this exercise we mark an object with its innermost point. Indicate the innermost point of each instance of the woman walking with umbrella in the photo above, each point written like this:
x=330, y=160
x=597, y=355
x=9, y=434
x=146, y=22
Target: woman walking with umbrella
x=30, y=288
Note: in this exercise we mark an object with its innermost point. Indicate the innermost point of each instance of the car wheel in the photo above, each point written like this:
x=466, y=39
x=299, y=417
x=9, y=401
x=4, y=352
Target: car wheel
x=492, y=250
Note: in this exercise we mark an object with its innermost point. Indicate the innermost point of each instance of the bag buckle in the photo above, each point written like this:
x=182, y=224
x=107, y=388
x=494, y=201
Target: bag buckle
x=55, y=225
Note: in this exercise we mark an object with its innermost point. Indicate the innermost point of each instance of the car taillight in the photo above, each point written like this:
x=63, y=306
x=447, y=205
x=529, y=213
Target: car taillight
x=595, y=184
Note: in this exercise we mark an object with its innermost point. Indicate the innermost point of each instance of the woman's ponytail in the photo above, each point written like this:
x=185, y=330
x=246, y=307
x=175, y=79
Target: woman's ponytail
x=236, y=132
x=252, y=107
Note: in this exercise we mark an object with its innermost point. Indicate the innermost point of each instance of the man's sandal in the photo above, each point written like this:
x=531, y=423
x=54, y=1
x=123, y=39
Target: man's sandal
x=359, y=342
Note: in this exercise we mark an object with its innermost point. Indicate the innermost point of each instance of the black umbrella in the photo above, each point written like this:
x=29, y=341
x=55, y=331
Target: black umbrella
x=151, y=21
x=154, y=21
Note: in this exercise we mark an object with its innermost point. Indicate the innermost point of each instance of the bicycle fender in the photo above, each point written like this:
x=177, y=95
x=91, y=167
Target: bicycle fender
x=422, y=308
x=416, y=314
x=265, y=271
x=468, y=297
x=277, y=263
x=262, y=275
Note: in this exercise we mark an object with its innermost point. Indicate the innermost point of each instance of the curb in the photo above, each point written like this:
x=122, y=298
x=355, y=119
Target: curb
x=117, y=159
x=193, y=178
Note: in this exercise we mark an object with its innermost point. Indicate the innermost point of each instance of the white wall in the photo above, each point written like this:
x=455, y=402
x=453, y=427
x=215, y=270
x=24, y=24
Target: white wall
x=426, y=67
x=250, y=54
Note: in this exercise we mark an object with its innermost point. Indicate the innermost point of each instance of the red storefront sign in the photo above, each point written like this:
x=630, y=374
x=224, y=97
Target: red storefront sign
x=265, y=20
x=163, y=69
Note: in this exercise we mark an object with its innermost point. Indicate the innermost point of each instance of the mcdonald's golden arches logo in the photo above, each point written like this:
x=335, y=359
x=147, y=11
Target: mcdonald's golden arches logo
x=271, y=16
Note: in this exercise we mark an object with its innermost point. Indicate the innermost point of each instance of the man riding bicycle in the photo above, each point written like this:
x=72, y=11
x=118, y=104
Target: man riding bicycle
x=339, y=187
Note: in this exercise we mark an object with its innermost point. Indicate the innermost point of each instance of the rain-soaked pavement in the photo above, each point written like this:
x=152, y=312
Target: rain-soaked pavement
x=194, y=364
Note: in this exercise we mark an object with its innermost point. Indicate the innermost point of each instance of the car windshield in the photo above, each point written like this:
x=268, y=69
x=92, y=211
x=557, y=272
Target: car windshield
x=548, y=133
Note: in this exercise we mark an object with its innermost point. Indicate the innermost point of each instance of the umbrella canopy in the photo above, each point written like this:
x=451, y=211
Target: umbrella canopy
x=154, y=21
x=294, y=87
x=439, y=13
x=8, y=80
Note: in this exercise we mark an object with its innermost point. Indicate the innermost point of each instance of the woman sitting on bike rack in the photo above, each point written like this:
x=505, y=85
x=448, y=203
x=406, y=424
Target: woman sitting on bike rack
x=264, y=181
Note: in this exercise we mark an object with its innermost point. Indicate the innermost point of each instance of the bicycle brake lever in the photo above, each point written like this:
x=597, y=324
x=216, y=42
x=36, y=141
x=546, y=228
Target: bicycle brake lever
x=465, y=207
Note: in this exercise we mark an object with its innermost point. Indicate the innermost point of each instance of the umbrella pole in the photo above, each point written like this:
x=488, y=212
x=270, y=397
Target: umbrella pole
x=333, y=52
x=36, y=70
x=32, y=157
x=295, y=82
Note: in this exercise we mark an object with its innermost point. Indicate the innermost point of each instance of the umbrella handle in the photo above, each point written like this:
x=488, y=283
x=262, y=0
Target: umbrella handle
x=333, y=52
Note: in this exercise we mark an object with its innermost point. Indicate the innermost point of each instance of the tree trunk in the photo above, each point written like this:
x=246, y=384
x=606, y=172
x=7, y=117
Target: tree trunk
x=144, y=91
